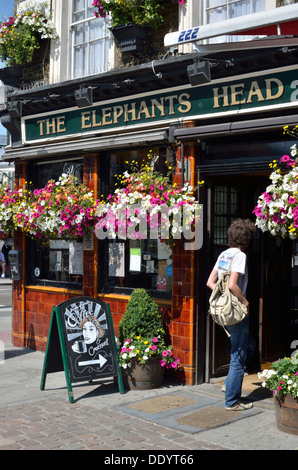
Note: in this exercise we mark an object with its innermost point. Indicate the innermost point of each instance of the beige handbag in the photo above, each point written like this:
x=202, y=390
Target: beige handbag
x=224, y=307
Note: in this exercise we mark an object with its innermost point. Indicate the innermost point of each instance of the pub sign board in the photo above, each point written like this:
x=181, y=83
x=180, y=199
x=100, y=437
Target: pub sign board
x=81, y=341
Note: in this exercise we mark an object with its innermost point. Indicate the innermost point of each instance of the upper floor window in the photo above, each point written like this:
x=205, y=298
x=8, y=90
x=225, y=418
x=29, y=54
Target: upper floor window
x=220, y=10
x=90, y=40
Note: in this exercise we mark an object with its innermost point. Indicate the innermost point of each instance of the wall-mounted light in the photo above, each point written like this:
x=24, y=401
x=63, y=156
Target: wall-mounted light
x=14, y=108
x=199, y=72
x=84, y=96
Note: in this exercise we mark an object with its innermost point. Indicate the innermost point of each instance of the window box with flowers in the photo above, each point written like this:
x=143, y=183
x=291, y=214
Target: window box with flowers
x=132, y=21
x=21, y=35
x=282, y=380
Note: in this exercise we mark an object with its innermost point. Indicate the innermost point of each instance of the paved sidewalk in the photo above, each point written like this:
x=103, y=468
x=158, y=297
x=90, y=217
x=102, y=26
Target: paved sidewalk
x=173, y=418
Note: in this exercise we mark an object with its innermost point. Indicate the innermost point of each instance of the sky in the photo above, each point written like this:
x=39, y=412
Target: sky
x=6, y=10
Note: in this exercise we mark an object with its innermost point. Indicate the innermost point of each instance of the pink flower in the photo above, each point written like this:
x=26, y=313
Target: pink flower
x=162, y=363
x=165, y=353
x=153, y=347
x=154, y=340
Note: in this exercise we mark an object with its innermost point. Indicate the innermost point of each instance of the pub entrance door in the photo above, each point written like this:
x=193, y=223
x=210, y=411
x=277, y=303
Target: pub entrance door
x=229, y=197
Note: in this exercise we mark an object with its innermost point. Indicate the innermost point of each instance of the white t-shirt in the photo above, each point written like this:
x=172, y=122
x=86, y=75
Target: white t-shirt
x=239, y=265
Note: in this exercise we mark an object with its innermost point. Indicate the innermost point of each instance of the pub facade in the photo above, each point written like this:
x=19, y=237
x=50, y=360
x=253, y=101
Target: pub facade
x=221, y=124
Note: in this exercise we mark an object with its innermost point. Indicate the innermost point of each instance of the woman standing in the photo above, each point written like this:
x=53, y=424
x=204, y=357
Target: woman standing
x=240, y=234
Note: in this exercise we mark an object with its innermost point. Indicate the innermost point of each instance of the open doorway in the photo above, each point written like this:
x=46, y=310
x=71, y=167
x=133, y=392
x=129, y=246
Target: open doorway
x=269, y=261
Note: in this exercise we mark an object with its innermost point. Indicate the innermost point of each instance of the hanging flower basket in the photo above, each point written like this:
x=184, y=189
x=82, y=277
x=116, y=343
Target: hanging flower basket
x=131, y=37
x=148, y=204
x=277, y=207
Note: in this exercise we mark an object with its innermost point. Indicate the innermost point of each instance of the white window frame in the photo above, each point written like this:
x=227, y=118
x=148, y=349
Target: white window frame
x=104, y=37
x=61, y=51
x=269, y=4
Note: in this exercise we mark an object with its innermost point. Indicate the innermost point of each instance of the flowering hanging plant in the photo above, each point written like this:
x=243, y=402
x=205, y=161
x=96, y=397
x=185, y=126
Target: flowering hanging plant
x=277, y=208
x=10, y=201
x=20, y=35
x=63, y=208
x=145, y=12
x=141, y=349
x=147, y=203
x=282, y=377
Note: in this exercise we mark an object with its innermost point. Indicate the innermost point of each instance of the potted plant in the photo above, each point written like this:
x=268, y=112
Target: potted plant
x=21, y=35
x=131, y=20
x=282, y=380
x=142, y=350
x=147, y=199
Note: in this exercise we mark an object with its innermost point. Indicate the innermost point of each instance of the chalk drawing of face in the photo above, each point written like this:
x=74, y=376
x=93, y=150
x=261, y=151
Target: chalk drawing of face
x=90, y=332
x=91, y=329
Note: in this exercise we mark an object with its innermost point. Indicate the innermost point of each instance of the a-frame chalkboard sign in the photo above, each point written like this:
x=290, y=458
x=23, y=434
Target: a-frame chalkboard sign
x=81, y=342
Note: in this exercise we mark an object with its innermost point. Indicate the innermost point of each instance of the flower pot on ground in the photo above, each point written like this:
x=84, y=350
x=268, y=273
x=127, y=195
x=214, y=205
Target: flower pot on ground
x=143, y=354
x=143, y=376
x=286, y=412
x=282, y=379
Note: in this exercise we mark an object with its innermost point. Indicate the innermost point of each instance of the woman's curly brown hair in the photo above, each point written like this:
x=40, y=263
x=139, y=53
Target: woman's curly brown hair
x=240, y=233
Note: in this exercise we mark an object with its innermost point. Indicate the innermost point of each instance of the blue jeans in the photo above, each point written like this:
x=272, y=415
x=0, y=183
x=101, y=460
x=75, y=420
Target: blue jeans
x=242, y=348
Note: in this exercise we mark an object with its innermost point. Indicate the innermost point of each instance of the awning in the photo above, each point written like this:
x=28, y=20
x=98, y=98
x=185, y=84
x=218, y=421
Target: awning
x=237, y=127
x=85, y=145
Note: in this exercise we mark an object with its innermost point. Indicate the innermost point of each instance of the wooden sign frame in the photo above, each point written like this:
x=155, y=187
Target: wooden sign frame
x=81, y=341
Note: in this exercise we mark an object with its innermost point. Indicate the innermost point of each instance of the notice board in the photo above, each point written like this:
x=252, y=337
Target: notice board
x=81, y=342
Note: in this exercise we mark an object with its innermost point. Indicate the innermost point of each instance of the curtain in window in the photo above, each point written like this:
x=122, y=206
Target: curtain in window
x=90, y=40
x=220, y=10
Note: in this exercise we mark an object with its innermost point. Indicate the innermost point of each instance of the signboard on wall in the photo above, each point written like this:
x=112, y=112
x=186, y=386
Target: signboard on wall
x=245, y=93
x=81, y=341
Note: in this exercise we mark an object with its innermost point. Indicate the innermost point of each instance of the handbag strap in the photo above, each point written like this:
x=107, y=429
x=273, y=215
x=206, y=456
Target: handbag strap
x=230, y=266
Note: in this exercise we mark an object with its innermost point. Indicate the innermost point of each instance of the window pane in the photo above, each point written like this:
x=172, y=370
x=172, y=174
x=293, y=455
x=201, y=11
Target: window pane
x=90, y=39
x=60, y=262
x=133, y=263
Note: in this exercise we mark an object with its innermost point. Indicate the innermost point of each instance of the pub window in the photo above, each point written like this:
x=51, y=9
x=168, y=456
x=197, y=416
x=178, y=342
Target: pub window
x=60, y=262
x=225, y=207
x=220, y=10
x=90, y=40
x=129, y=264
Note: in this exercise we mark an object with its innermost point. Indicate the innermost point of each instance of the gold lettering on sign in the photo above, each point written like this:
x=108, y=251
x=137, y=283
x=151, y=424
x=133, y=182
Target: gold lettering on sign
x=51, y=126
x=280, y=88
x=237, y=90
x=255, y=91
x=217, y=96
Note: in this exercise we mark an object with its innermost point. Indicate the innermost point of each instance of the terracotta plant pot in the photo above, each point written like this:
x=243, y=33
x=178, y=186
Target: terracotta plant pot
x=143, y=376
x=286, y=412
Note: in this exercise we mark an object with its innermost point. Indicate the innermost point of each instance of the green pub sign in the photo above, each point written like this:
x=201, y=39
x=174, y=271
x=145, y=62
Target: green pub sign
x=273, y=89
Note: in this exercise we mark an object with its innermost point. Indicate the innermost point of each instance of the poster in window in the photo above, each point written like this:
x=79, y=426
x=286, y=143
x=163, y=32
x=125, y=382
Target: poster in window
x=164, y=251
x=116, y=259
x=135, y=259
x=75, y=258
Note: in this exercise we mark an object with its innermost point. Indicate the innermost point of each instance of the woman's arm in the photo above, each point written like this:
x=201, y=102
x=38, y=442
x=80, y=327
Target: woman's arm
x=212, y=279
x=235, y=289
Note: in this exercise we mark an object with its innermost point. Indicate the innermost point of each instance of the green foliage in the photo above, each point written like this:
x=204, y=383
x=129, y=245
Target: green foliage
x=142, y=317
